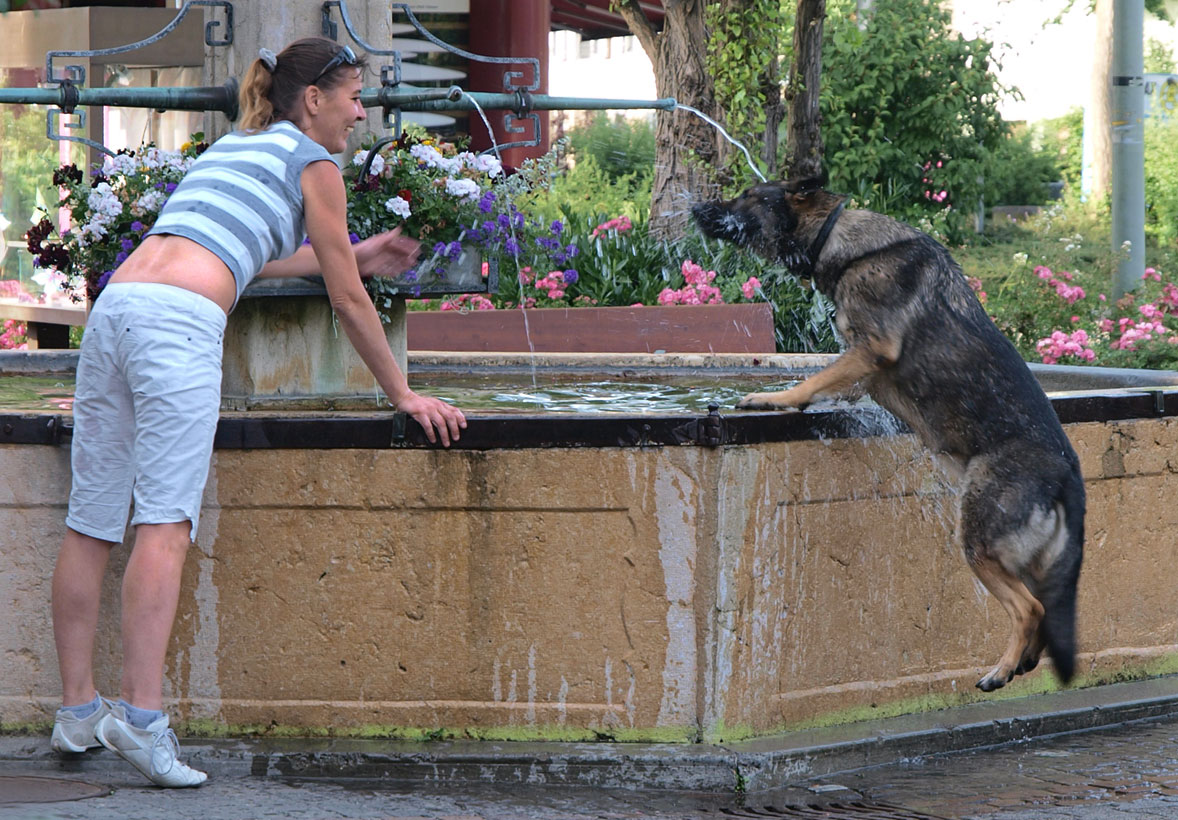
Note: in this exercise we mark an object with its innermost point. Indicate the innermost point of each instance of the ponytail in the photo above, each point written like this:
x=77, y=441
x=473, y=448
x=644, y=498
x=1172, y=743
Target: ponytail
x=257, y=112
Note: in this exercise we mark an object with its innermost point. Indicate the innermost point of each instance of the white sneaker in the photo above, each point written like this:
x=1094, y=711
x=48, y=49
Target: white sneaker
x=74, y=734
x=152, y=751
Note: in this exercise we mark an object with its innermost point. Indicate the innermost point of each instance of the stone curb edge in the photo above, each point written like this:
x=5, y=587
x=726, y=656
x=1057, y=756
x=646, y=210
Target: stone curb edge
x=756, y=765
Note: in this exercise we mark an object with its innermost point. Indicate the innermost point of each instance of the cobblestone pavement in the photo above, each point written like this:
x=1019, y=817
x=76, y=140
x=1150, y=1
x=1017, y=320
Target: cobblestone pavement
x=1122, y=773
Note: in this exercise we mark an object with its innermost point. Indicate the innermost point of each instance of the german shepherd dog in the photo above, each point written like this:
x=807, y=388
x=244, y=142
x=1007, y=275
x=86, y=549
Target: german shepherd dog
x=918, y=341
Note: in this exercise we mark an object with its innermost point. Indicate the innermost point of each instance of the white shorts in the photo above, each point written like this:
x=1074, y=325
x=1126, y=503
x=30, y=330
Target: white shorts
x=145, y=408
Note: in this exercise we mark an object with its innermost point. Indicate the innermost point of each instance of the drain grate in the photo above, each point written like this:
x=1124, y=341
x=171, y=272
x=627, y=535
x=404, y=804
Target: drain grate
x=30, y=789
x=841, y=810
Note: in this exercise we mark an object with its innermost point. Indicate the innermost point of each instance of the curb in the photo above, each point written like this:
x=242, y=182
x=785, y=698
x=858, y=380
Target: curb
x=755, y=765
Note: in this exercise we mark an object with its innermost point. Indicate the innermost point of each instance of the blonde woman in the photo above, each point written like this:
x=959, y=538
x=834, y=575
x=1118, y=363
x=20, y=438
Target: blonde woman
x=149, y=375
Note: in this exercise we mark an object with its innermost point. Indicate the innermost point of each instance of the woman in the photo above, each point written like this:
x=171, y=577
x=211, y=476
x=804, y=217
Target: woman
x=149, y=375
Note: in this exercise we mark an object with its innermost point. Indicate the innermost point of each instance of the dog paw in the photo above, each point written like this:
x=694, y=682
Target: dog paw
x=1026, y=665
x=996, y=679
x=765, y=401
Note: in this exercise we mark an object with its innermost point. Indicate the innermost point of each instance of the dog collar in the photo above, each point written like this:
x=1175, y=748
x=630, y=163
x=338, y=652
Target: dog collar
x=820, y=240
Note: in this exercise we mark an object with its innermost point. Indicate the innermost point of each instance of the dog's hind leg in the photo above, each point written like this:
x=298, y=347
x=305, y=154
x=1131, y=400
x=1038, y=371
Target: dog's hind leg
x=1024, y=610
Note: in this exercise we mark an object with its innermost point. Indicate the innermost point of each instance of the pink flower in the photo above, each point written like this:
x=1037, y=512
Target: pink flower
x=668, y=297
x=1043, y=272
x=750, y=288
x=621, y=224
x=1060, y=345
x=486, y=269
x=1150, y=273
x=1151, y=311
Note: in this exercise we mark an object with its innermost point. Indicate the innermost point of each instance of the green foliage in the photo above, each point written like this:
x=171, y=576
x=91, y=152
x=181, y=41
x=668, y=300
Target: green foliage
x=1019, y=172
x=909, y=105
x=1161, y=179
x=1062, y=140
x=27, y=162
x=745, y=39
x=621, y=147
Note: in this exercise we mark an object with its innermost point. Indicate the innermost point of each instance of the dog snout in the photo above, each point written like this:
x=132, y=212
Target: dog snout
x=716, y=220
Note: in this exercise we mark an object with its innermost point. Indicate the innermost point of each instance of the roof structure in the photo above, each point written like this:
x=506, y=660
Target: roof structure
x=592, y=19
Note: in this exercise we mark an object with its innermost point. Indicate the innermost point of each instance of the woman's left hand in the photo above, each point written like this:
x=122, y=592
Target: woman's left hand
x=386, y=254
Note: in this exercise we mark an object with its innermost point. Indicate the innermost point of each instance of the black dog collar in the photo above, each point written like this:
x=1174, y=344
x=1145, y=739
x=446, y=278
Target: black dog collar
x=820, y=240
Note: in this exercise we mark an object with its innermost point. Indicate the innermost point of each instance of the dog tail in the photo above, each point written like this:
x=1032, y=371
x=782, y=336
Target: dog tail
x=1057, y=592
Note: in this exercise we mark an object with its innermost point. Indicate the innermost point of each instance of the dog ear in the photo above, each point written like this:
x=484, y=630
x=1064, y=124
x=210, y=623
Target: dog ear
x=807, y=185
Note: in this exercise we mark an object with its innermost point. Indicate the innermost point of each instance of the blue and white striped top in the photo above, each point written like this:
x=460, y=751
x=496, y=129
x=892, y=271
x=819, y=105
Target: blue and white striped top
x=242, y=198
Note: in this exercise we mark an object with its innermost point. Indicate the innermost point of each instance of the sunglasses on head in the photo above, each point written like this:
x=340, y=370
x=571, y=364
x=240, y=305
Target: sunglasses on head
x=345, y=56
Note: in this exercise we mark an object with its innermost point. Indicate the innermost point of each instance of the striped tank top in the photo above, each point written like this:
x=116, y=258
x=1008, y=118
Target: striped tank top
x=242, y=199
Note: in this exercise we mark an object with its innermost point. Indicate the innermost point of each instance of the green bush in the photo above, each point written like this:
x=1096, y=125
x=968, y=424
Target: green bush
x=1019, y=173
x=910, y=107
x=1161, y=180
x=620, y=146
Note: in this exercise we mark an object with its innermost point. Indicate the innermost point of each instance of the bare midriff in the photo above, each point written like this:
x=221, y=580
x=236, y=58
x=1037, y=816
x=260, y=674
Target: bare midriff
x=182, y=263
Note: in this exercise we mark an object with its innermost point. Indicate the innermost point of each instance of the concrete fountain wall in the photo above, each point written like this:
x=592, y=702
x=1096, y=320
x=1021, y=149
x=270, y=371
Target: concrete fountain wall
x=581, y=577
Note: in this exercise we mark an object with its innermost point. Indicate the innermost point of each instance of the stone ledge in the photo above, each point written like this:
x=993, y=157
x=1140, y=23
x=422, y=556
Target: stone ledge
x=759, y=765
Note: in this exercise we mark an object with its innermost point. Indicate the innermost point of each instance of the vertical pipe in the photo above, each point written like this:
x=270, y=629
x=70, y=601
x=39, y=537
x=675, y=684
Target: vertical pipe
x=1128, y=142
x=499, y=28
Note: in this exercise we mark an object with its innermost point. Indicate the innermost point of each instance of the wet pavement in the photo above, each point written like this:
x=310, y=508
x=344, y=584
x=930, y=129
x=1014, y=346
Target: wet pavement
x=1123, y=771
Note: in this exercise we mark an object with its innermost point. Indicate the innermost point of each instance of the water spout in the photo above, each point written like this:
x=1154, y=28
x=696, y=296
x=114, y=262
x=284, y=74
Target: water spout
x=726, y=136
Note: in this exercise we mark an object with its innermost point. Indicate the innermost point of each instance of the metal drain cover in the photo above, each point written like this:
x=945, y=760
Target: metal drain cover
x=29, y=789
x=841, y=810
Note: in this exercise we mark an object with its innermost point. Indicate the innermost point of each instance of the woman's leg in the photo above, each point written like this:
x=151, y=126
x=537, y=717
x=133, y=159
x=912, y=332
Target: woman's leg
x=77, y=590
x=151, y=591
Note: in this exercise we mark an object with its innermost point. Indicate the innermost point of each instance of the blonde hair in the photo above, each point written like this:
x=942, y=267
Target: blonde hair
x=267, y=96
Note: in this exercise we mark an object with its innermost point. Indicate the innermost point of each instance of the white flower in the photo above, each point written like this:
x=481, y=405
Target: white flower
x=487, y=164
x=398, y=206
x=120, y=164
x=427, y=154
x=149, y=203
x=377, y=165
x=358, y=158
x=1020, y=258
x=467, y=188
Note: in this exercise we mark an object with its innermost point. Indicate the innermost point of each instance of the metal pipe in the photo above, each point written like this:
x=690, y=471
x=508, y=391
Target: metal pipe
x=1128, y=144
x=67, y=97
x=224, y=99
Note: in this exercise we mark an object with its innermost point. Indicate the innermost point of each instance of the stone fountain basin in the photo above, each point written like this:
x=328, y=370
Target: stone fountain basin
x=638, y=577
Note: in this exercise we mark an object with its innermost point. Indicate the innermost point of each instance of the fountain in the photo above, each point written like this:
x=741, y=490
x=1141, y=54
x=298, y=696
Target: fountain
x=666, y=576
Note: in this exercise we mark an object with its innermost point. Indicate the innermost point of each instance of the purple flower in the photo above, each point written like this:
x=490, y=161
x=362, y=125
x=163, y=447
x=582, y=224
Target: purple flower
x=572, y=250
x=487, y=202
x=353, y=238
x=171, y=186
x=570, y=276
x=440, y=249
x=102, y=280
x=503, y=220
x=557, y=227
x=455, y=249
x=121, y=257
x=128, y=245
x=137, y=226
x=511, y=246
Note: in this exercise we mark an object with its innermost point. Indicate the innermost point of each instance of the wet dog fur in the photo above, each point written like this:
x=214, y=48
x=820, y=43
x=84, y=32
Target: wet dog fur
x=918, y=341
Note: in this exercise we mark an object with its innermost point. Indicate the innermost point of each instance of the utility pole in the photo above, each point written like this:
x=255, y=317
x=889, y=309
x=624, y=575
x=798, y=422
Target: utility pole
x=1128, y=145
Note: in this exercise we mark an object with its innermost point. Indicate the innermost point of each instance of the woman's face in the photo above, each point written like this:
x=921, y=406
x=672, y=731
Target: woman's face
x=339, y=112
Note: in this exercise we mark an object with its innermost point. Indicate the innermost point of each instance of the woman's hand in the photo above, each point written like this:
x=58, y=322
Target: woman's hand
x=386, y=254
x=433, y=413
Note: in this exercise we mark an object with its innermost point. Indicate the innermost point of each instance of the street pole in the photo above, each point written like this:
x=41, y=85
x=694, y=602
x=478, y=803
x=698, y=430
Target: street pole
x=1128, y=145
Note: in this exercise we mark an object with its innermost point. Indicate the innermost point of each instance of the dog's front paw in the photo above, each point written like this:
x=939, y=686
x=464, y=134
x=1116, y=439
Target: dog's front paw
x=769, y=401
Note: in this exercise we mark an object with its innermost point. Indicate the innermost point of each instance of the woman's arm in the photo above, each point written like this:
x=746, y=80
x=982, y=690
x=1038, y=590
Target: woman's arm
x=324, y=203
x=386, y=254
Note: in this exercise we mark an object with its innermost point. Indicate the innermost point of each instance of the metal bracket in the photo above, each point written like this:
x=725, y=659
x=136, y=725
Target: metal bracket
x=51, y=116
x=707, y=431
x=331, y=29
x=75, y=75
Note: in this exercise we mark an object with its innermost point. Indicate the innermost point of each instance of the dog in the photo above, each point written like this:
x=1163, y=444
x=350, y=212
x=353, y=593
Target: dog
x=918, y=341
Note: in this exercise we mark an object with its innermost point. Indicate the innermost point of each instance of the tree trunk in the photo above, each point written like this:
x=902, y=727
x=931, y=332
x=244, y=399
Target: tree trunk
x=804, y=141
x=686, y=153
x=1098, y=113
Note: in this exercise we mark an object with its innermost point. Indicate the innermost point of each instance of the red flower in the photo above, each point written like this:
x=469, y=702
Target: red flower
x=405, y=194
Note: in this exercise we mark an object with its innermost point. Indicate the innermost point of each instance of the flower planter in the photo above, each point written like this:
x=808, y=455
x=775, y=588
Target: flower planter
x=726, y=328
